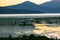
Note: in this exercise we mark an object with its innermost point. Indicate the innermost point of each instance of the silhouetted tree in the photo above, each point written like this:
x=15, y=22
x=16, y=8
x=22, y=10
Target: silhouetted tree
x=10, y=37
x=25, y=37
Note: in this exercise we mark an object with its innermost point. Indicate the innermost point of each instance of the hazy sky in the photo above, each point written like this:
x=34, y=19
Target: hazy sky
x=13, y=2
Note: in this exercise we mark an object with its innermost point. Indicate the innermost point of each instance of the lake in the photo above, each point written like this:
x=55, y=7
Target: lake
x=15, y=30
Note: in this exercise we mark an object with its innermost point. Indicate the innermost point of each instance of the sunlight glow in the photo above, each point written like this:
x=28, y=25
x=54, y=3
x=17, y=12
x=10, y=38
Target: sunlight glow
x=14, y=2
x=44, y=28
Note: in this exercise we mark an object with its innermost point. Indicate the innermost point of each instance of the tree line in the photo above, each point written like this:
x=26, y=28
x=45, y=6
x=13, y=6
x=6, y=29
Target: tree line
x=25, y=37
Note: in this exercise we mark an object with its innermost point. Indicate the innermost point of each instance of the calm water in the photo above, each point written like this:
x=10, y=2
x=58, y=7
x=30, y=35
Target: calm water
x=15, y=30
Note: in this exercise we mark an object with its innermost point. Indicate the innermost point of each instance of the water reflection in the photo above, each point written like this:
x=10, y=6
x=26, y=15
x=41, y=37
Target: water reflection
x=15, y=30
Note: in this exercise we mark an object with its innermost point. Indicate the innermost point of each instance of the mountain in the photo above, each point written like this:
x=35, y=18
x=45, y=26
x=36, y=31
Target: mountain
x=5, y=10
x=54, y=5
x=24, y=5
x=48, y=7
x=29, y=7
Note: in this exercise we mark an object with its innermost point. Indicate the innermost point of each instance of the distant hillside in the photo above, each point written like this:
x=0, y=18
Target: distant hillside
x=54, y=6
x=48, y=7
x=32, y=8
x=5, y=10
x=29, y=6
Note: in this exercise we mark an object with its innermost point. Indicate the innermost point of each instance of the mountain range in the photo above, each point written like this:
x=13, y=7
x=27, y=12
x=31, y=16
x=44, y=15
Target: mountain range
x=5, y=10
x=29, y=7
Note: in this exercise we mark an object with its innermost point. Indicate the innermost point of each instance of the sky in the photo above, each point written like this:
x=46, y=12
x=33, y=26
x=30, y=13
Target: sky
x=14, y=2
